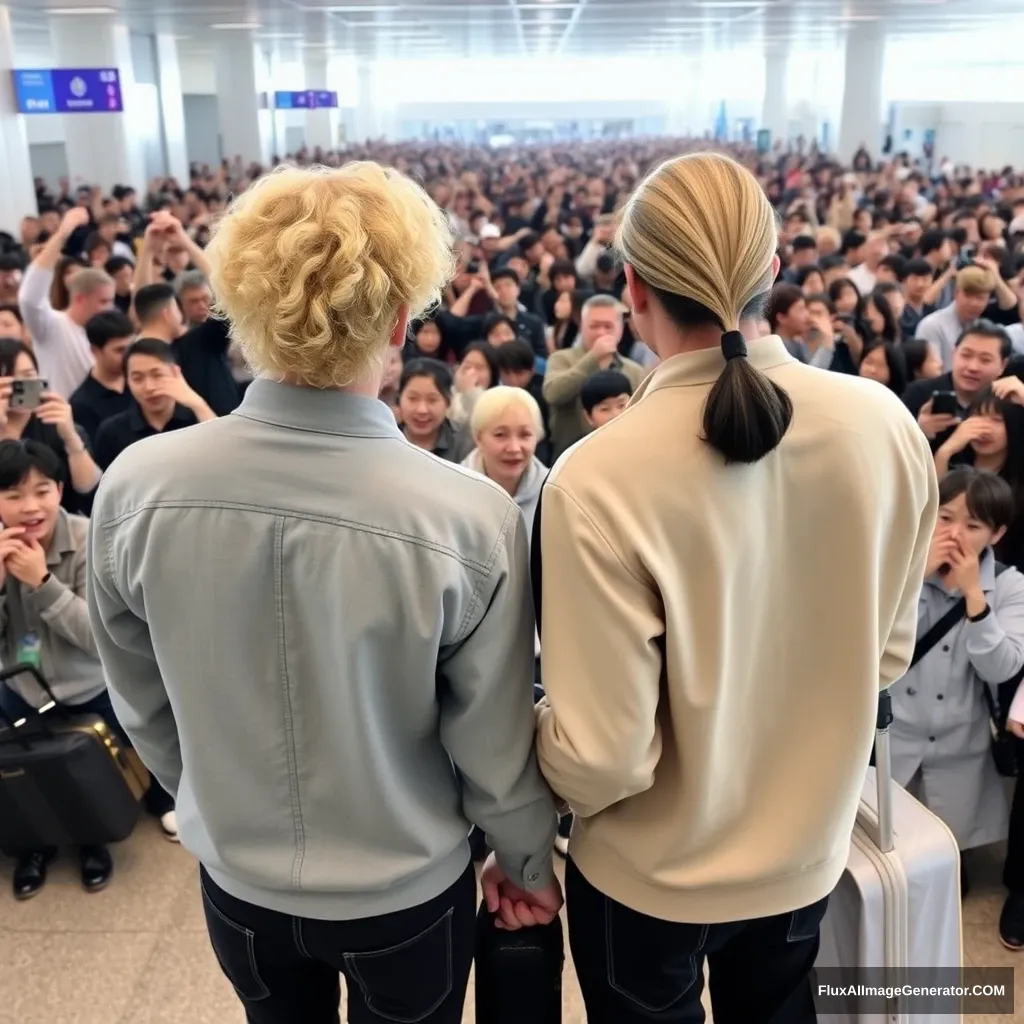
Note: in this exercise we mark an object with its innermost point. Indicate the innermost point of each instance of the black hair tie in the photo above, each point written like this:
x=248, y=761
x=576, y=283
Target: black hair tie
x=734, y=345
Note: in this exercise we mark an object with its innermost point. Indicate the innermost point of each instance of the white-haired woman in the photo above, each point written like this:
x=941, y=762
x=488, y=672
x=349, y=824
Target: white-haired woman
x=507, y=426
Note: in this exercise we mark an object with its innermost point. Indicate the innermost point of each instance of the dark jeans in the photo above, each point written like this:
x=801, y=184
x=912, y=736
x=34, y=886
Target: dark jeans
x=157, y=800
x=637, y=968
x=1013, y=871
x=411, y=965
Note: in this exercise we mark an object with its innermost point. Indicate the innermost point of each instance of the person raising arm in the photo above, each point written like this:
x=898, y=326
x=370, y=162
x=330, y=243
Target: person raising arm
x=61, y=344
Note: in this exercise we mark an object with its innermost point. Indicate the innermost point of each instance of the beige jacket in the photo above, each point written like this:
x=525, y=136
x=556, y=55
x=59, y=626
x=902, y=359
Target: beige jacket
x=714, y=637
x=566, y=371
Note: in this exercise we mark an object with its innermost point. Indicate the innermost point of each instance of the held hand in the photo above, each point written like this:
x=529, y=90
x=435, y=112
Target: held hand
x=27, y=563
x=932, y=424
x=1010, y=389
x=56, y=410
x=517, y=908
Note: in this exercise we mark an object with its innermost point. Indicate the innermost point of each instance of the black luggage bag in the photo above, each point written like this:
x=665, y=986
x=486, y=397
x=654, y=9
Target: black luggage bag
x=518, y=974
x=66, y=778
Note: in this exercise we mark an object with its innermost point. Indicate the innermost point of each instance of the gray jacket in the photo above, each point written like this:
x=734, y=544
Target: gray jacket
x=58, y=615
x=941, y=727
x=318, y=638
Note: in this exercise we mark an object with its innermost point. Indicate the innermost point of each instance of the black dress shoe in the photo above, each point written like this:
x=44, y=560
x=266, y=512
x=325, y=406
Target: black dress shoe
x=30, y=873
x=97, y=867
x=1011, y=922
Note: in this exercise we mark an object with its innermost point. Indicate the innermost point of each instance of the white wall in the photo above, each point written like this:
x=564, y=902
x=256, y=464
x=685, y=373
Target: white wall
x=198, y=75
x=988, y=135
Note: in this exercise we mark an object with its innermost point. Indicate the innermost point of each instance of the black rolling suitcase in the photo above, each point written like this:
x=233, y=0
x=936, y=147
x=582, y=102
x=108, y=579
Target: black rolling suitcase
x=66, y=778
x=518, y=974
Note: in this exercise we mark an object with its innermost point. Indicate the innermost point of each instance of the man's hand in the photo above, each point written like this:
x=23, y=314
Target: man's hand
x=932, y=424
x=27, y=562
x=176, y=387
x=56, y=410
x=605, y=347
x=77, y=217
x=517, y=908
x=10, y=541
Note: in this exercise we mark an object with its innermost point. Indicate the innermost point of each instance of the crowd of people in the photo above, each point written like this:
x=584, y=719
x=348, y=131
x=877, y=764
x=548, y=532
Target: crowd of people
x=534, y=302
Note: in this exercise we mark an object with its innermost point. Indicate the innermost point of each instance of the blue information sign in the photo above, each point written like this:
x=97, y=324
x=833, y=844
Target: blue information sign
x=306, y=99
x=68, y=91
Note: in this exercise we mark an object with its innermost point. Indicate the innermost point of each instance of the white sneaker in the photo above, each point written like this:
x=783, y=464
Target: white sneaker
x=562, y=846
x=169, y=824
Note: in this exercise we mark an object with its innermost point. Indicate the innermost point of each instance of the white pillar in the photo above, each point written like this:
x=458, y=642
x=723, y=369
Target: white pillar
x=775, y=113
x=101, y=148
x=172, y=107
x=240, y=80
x=684, y=116
x=860, y=123
x=17, y=192
x=321, y=124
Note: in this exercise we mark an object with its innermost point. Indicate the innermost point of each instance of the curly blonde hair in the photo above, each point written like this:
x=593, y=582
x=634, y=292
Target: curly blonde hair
x=311, y=265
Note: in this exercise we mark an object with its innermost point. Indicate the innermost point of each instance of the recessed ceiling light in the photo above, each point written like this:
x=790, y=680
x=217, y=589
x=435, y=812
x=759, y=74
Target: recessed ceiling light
x=227, y=26
x=80, y=10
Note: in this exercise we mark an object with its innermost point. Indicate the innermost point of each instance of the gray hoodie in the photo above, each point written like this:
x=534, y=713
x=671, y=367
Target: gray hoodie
x=527, y=494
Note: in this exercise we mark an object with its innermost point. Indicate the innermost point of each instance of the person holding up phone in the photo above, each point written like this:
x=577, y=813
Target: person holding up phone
x=979, y=358
x=36, y=413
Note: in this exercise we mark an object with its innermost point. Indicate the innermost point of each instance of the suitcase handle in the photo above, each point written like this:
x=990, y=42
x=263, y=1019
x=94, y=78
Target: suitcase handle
x=23, y=667
x=15, y=730
x=883, y=772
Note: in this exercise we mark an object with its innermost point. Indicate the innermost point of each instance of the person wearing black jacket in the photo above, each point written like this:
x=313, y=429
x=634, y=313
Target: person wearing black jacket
x=980, y=357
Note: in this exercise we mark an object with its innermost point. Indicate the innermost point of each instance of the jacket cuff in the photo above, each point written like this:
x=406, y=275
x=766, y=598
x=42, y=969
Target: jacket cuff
x=48, y=594
x=532, y=874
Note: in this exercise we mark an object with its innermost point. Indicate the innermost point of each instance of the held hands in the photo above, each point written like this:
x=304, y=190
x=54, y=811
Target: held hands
x=517, y=908
x=932, y=423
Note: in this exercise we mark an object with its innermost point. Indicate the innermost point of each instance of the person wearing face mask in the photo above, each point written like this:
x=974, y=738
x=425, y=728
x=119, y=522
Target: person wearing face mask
x=940, y=737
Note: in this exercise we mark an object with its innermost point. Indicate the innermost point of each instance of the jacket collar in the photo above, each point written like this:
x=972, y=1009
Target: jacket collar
x=316, y=410
x=63, y=543
x=701, y=368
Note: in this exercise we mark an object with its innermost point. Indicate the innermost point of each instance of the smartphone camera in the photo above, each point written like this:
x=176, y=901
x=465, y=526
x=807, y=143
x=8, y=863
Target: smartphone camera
x=27, y=393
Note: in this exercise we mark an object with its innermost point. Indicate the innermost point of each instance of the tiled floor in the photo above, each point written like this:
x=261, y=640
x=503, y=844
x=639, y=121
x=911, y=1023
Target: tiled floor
x=138, y=953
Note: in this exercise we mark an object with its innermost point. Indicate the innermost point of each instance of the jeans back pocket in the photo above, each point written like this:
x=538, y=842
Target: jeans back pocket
x=408, y=982
x=652, y=963
x=234, y=945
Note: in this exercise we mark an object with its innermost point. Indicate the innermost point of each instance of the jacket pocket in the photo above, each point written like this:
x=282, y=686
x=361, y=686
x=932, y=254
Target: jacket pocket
x=652, y=963
x=408, y=982
x=234, y=945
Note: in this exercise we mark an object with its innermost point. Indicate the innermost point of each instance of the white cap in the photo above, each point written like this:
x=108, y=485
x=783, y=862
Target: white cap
x=490, y=231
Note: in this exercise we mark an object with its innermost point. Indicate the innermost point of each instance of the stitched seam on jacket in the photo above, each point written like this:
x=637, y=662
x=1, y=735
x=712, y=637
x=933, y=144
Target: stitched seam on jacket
x=488, y=568
x=239, y=506
x=289, y=721
x=597, y=529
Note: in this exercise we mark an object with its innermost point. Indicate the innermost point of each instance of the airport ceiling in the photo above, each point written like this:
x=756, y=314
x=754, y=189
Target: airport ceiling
x=517, y=28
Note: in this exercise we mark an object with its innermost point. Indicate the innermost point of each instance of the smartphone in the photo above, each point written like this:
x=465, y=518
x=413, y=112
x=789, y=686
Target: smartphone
x=965, y=258
x=27, y=392
x=944, y=403
x=473, y=267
